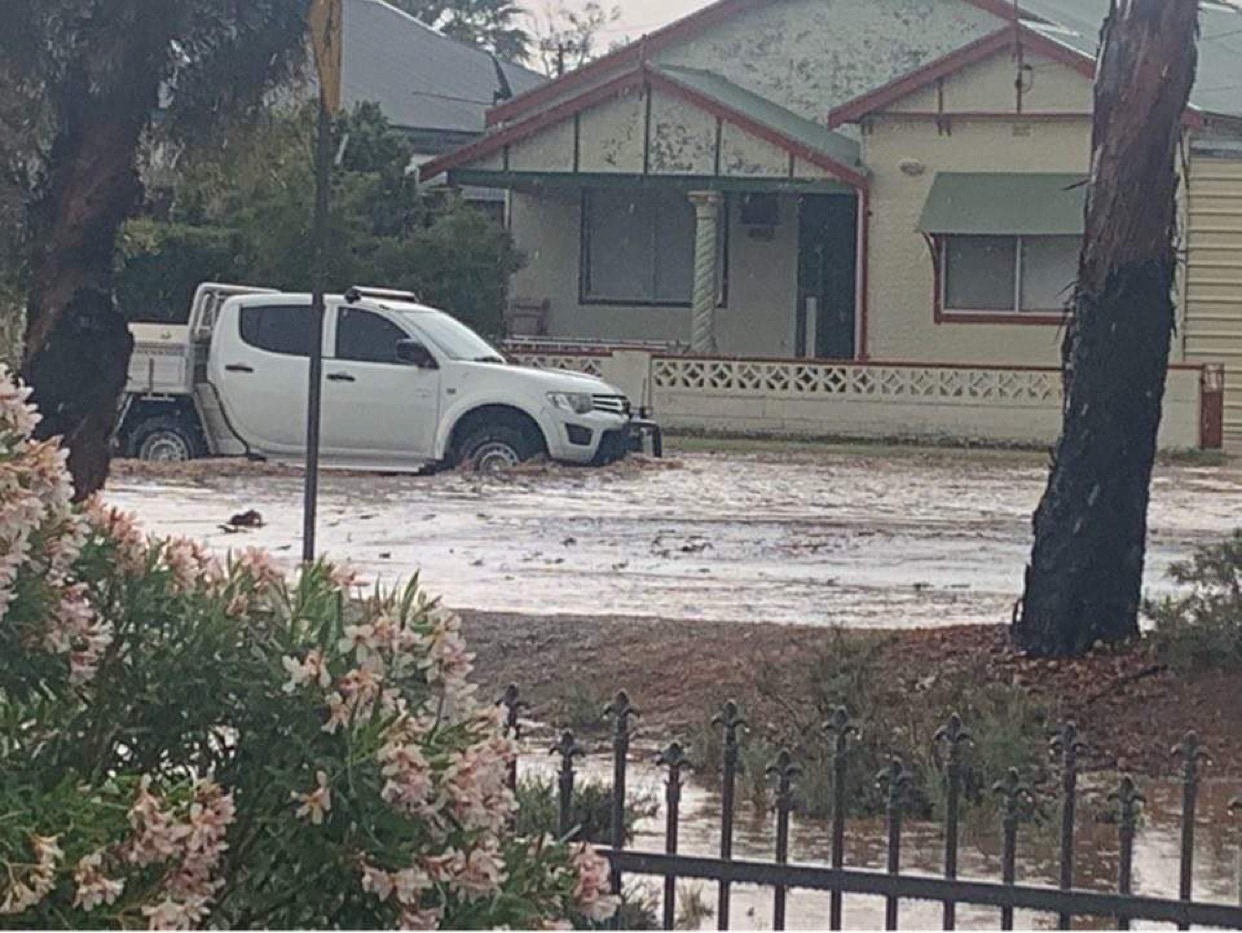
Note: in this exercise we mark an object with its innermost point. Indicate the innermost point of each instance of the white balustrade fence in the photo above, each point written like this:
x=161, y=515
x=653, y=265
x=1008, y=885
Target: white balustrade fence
x=801, y=398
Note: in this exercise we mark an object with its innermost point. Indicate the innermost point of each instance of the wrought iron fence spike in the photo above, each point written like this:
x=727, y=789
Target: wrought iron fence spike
x=673, y=757
x=953, y=732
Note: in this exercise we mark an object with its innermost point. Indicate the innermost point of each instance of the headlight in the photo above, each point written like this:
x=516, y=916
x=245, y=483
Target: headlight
x=578, y=402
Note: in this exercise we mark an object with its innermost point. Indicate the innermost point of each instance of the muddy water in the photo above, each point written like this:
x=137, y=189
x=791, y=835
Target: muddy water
x=1156, y=854
x=827, y=538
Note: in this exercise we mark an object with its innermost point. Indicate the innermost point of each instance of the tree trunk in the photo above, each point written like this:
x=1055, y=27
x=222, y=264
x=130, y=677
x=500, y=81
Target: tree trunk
x=77, y=344
x=1084, y=580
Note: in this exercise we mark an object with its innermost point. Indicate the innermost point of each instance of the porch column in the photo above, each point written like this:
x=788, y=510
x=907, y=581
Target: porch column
x=706, y=274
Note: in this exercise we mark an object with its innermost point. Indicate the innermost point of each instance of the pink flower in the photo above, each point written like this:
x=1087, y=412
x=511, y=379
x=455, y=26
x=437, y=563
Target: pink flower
x=316, y=804
x=314, y=669
x=342, y=577
x=481, y=873
x=376, y=881
x=409, y=883
x=257, y=564
x=338, y=713
x=92, y=888
x=592, y=895
x=171, y=914
x=419, y=920
x=37, y=880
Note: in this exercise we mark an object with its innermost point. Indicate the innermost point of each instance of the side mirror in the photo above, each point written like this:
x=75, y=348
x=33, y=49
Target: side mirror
x=414, y=353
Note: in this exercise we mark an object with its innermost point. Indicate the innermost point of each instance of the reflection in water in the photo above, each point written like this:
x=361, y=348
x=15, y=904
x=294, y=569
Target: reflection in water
x=1156, y=853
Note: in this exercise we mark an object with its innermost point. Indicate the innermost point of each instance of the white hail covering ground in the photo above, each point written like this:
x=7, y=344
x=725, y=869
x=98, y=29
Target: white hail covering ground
x=804, y=538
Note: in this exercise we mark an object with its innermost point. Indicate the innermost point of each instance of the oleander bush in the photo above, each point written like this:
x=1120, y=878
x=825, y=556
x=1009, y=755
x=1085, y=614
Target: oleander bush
x=190, y=742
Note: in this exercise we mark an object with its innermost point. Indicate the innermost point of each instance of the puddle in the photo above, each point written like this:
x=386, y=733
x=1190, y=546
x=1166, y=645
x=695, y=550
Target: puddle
x=859, y=541
x=1157, y=850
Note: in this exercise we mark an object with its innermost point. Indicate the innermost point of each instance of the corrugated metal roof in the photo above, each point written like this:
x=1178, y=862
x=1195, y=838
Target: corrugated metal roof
x=421, y=78
x=995, y=203
x=1218, y=85
x=836, y=146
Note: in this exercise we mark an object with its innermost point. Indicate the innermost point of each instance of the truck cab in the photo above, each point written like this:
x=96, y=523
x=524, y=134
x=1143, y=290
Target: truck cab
x=405, y=385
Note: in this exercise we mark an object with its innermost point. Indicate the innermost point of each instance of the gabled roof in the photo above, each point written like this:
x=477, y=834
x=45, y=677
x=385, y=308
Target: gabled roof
x=1003, y=39
x=801, y=138
x=1218, y=81
x=420, y=78
x=1070, y=26
x=810, y=140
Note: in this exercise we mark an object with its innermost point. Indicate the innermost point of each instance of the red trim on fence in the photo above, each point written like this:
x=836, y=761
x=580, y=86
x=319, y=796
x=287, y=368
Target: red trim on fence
x=1211, y=407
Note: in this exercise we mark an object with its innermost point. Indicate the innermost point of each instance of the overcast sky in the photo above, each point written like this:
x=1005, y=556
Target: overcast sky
x=643, y=16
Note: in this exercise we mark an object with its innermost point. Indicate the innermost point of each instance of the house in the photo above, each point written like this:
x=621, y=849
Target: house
x=436, y=89
x=890, y=183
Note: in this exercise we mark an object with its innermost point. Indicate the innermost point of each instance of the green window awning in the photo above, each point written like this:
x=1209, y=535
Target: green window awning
x=1006, y=204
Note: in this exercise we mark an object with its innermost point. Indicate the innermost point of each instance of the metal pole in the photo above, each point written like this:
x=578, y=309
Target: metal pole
x=319, y=240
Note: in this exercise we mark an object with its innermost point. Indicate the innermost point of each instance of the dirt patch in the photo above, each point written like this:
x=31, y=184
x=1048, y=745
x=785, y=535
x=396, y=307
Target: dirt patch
x=1130, y=709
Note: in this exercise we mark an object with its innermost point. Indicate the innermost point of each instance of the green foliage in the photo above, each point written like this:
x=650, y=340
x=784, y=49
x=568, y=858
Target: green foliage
x=581, y=708
x=1007, y=730
x=487, y=24
x=1201, y=628
x=162, y=263
x=590, y=810
x=243, y=213
x=190, y=741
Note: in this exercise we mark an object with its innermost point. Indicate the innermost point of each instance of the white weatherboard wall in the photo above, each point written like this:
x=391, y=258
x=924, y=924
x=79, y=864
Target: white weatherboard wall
x=858, y=400
x=1213, y=328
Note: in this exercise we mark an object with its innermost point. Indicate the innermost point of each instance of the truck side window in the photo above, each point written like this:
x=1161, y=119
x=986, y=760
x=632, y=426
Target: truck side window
x=365, y=337
x=277, y=328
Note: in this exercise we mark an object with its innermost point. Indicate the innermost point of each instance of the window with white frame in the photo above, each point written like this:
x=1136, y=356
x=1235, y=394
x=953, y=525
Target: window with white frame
x=638, y=247
x=1008, y=274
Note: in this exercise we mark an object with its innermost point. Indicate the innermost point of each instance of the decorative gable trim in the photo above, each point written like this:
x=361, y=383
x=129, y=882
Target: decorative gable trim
x=1002, y=40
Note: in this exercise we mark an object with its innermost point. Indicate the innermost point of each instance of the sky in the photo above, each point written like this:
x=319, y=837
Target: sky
x=643, y=16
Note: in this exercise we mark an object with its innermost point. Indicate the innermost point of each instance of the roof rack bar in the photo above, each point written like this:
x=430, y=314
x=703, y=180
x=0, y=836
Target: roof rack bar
x=357, y=292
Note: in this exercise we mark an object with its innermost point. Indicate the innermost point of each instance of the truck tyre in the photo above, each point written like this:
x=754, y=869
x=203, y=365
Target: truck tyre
x=497, y=445
x=165, y=438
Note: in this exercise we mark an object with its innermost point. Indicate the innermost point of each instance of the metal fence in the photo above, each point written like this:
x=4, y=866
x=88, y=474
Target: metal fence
x=1065, y=901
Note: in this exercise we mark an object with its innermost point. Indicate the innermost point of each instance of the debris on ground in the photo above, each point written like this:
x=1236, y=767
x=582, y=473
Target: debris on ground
x=1130, y=709
x=250, y=518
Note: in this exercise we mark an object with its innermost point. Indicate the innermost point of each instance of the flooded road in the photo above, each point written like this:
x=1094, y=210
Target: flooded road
x=914, y=539
x=1156, y=853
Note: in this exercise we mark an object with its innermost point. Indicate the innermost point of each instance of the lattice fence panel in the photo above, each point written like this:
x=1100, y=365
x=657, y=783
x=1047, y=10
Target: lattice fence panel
x=800, y=380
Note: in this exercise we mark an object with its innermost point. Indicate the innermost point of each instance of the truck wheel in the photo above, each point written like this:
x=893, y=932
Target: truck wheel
x=165, y=439
x=497, y=446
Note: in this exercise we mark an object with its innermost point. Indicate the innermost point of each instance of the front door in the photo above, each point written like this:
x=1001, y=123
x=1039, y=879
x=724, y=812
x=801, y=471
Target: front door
x=376, y=408
x=827, y=255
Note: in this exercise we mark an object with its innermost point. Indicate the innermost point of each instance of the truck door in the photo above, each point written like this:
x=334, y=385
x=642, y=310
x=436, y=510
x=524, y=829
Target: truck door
x=375, y=407
x=260, y=364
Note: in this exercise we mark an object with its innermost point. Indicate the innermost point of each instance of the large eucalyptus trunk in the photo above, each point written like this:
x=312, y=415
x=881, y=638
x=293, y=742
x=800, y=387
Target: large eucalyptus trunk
x=1084, y=580
x=77, y=345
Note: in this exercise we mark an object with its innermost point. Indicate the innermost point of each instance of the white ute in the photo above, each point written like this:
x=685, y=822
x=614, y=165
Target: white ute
x=405, y=386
